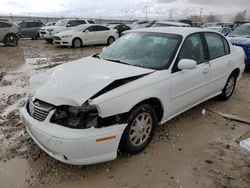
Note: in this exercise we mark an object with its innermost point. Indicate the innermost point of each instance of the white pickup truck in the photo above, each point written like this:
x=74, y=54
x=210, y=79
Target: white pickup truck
x=48, y=32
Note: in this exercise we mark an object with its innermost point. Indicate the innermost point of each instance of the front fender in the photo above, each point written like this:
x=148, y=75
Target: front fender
x=123, y=99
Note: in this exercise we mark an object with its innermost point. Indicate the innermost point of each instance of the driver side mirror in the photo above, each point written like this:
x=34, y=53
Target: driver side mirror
x=187, y=64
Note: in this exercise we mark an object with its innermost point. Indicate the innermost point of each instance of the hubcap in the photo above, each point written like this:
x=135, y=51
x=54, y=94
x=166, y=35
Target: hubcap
x=141, y=129
x=111, y=40
x=77, y=43
x=230, y=86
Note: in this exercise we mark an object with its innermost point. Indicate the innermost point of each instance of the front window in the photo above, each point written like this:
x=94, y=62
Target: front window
x=61, y=23
x=243, y=31
x=148, y=50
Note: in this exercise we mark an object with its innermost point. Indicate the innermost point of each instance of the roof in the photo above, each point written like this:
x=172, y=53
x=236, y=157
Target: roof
x=173, y=23
x=184, y=31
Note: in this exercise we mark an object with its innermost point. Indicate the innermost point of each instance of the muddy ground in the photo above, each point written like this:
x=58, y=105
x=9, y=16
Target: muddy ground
x=194, y=150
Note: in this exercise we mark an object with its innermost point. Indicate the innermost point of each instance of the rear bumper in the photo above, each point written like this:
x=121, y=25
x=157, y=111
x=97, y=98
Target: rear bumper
x=77, y=147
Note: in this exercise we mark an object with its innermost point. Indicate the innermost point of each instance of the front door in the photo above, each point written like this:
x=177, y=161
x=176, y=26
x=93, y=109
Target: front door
x=189, y=87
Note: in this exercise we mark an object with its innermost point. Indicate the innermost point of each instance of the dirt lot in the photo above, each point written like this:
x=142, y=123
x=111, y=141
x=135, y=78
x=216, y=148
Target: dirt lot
x=194, y=150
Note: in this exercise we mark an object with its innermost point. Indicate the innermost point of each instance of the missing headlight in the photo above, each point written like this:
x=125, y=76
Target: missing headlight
x=82, y=117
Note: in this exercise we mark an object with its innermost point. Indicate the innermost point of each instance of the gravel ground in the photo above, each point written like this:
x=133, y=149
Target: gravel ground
x=192, y=150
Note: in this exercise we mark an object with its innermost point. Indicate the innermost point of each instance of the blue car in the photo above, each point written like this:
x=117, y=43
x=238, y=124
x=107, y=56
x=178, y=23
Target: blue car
x=241, y=37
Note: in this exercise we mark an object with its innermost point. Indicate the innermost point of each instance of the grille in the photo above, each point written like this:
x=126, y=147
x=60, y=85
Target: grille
x=39, y=110
x=57, y=38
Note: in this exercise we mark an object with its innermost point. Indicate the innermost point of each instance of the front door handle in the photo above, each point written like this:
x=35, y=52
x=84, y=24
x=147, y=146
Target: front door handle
x=205, y=71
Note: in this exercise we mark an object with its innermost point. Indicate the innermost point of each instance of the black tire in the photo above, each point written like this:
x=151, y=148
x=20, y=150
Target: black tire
x=77, y=43
x=49, y=41
x=228, y=90
x=128, y=144
x=110, y=40
x=11, y=40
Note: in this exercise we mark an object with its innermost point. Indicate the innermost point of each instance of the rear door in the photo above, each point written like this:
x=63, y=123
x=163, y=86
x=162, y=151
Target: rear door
x=189, y=87
x=219, y=60
x=102, y=34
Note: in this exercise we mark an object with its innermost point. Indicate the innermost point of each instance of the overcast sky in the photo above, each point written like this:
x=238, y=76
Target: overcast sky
x=121, y=8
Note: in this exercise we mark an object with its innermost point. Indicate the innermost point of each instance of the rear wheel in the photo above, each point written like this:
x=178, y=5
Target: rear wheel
x=140, y=129
x=228, y=90
x=110, y=40
x=11, y=40
x=77, y=43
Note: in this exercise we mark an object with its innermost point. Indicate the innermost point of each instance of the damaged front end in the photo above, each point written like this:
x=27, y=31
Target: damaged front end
x=83, y=117
x=75, y=117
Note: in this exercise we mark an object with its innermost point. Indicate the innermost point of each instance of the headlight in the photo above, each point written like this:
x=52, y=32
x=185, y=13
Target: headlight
x=66, y=36
x=82, y=117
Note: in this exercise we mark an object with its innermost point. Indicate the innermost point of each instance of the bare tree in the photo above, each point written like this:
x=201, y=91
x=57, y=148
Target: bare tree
x=241, y=16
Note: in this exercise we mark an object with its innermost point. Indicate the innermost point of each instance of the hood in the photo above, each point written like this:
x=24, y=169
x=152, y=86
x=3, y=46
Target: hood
x=74, y=83
x=53, y=27
x=239, y=41
x=69, y=32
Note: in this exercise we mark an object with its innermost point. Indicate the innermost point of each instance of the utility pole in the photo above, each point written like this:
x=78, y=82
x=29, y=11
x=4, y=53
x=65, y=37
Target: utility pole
x=201, y=15
x=171, y=14
x=146, y=9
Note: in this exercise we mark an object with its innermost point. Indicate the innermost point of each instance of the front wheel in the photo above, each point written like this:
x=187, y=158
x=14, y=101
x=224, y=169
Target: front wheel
x=140, y=129
x=11, y=40
x=77, y=43
x=228, y=90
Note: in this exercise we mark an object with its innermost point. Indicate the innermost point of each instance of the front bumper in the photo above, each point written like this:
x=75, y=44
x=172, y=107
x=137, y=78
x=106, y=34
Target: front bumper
x=63, y=42
x=46, y=34
x=77, y=147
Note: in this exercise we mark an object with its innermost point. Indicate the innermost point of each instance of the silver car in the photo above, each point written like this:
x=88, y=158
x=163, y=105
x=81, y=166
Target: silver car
x=9, y=32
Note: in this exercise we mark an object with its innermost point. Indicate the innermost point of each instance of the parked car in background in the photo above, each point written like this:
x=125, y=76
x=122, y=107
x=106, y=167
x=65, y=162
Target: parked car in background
x=9, y=33
x=30, y=28
x=205, y=25
x=50, y=23
x=226, y=24
x=189, y=22
x=88, y=34
x=239, y=23
x=48, y=32
x=142, y=24
x=119, y=27
x=170, y=24
x=82, y=112
x=241, y=37
x=223, y=30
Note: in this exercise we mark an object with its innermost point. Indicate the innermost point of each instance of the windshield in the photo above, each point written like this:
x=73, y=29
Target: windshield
x=61, y=23
x=148, y=50
x=243, y=31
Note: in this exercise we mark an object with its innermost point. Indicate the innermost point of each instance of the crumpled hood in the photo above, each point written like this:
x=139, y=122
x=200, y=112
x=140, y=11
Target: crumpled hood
x=74, y=83
x=239, y=41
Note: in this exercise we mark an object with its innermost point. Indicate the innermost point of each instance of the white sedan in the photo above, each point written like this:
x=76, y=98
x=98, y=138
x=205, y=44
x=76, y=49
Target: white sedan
x=88, y=34
x=83, y=112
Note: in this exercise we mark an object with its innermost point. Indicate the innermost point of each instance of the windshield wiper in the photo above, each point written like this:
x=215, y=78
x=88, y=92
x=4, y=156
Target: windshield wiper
x=118, y=61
